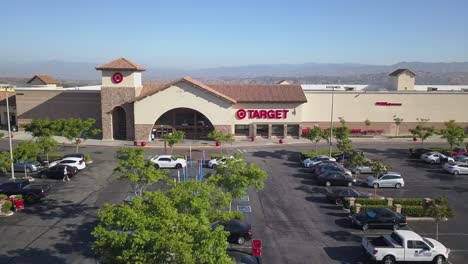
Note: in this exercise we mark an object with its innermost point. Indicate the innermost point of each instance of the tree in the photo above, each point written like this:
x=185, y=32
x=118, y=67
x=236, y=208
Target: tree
x=220, y=136
x=343, y=143
x=76, y=130
x=41, y=128
x=5, y=161
x=367, y=122
x=439, y=210
x=397, y=120
x=140, y=172
x=201, y=199
x=173, y=138
x=46, y=144
x=26, y=151
x=235, y=177
x=453, y=133
x=152, y=230
x=378, y=167
x=315, y=134
x=421, y=131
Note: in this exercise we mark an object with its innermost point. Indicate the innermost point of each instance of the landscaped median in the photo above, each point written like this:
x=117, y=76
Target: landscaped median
x=412, y=208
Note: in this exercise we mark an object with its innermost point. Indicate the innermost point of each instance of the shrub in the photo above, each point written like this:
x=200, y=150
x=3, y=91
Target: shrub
x=3, y=197
x=368, y=207
x=413, y=211
x=346, y=203
x=2, y=135
x=87, y=157
x=18, y=196
x=370, y=201
x=178, y=156
x=409, y=201
x=53, y=156
x=6, y=207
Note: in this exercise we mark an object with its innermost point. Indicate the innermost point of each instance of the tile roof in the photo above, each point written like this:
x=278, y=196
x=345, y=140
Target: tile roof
x=400, y=71
x=262, y=93
x=11, y=99
x=46, y=79
x=151, y=89
x=120, y=64
x=238, y=93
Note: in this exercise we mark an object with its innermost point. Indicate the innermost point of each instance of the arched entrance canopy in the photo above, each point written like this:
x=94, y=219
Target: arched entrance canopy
x=194, y=124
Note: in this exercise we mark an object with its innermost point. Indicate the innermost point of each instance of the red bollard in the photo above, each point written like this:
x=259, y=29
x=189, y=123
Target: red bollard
x=135, y=143
x=143, y=143
x=252, y=138
x=281, y=141
x=218, y=143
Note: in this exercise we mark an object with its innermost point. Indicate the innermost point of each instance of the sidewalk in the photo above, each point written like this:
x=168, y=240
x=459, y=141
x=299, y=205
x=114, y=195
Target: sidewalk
x=240, y=142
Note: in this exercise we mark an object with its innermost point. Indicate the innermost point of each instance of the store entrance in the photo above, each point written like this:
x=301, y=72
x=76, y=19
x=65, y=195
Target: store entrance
x=194, y=124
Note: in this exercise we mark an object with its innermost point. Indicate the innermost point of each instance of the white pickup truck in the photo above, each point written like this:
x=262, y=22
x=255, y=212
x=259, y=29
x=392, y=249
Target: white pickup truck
x=405, y=245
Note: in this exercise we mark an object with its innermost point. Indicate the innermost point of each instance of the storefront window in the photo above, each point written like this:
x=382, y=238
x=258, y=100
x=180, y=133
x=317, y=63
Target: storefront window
x=293, y=130
x=241, y=130
x=277, y=130
x=262, y=130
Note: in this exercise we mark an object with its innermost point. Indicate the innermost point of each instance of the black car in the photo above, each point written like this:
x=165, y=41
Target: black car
x=416, y=153
x=378, y=217
x=337, y=196
x=322, y=163
x=335, y=178
x=31, y=192
x=57, y=171
x=321, y=167
x=239, y=232
x=243, y=258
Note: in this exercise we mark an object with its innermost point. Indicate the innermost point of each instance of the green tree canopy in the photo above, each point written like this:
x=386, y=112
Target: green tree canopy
x=75, y=129
x=5, y=161
x=26, y=151
x=173, y=138
x=236, y=176
x=421, y=131
x=316, y=134
x=378, y=167
x=46, y=144
x=41, y=128
x=152, y=230
x=453, y=133
x=140, y=172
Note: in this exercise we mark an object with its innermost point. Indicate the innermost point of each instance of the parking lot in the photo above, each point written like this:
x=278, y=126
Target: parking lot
x=298, y=224
x=291, y=215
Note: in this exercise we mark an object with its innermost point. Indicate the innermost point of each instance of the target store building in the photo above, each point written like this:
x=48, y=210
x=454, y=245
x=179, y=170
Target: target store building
x=125, y=108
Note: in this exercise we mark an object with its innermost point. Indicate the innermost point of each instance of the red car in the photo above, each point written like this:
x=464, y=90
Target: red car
x=459, y=151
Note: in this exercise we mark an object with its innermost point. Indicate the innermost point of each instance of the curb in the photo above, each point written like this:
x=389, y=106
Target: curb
x=420, y=219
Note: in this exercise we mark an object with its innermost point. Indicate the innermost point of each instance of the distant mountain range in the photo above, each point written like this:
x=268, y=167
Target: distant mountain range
x=84, y=73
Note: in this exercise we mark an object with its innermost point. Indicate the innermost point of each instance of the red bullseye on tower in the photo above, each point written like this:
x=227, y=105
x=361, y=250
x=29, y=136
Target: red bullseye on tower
x=117, y=77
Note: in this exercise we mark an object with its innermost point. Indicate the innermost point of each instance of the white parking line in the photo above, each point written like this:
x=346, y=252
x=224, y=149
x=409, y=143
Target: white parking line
x=239, y=150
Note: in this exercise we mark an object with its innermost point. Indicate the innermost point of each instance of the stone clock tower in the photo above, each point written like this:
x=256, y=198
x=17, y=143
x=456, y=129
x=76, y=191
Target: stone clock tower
x=121, y=84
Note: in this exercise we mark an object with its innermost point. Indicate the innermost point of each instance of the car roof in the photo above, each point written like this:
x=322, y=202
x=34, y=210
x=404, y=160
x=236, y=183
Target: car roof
x=71, y=158
x=392, y=173
x=382, y=210
x=408, y=235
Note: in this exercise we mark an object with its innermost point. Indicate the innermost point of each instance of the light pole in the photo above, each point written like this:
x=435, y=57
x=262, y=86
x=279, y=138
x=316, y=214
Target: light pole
x=331, y=121
x=9, y=135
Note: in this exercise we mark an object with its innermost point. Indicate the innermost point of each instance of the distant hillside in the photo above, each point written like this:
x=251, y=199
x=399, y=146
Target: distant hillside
x=84, y=73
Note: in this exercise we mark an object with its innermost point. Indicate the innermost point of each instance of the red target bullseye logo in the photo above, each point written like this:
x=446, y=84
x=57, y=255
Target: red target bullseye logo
x=117, y=77
x=241, y=114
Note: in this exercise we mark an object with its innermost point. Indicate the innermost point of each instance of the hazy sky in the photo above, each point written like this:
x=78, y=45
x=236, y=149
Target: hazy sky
x=201, y=33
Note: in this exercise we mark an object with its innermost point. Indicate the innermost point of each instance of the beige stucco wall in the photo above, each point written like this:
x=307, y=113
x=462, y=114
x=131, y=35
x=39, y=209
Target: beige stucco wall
x=131, y=79
x=182, y=95
x=358, y=106
x=403, y=82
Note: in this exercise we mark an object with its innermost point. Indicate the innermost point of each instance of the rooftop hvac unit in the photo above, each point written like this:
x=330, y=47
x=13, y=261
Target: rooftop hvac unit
x=347, y=88
x=431, y=89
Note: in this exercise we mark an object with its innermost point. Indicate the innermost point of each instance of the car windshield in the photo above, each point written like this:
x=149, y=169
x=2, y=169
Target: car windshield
x=428, y=242
x=371, y=213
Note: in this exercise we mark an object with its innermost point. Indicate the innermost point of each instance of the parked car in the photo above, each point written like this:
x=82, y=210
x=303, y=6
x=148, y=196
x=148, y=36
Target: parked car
x=378, y=217
x=389, y=179
x=332, y=168
x=28, y=166
x=239, y=232
x=343, y=158
x=416, y=153
x=57, y=171
x=335, y=178
x=456, y=168
x=435, y=158
x=338, y=195
x=31, y=192
x=458, y=151
x=78, y=163
x=361, y=169
x=404, y=245
x=240, y=257
x=461, y=158
x=309, y=162
x=213, y=163
x=314, y=167
x=74, y=155
x=168, y=161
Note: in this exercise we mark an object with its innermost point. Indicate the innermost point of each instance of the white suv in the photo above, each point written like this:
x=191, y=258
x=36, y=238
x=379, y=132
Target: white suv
x=168, y=161
x=213, y=163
